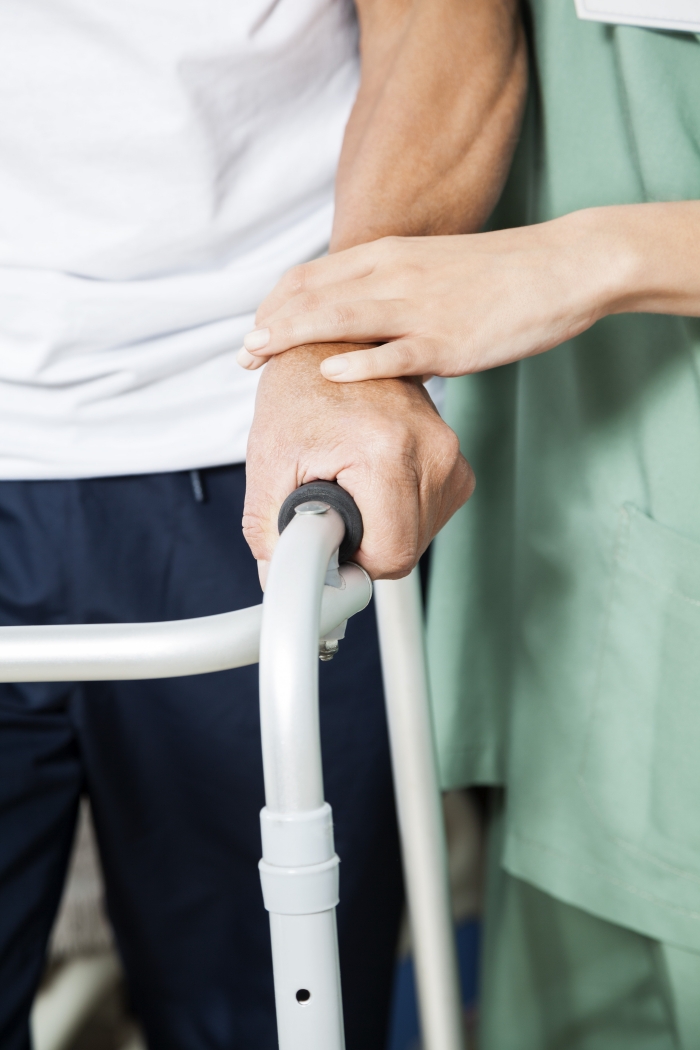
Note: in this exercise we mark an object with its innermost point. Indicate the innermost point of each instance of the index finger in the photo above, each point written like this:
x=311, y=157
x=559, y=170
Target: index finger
x=329, y=269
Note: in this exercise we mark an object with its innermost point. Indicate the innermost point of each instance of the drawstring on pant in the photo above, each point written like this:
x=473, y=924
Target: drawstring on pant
x=198, y=486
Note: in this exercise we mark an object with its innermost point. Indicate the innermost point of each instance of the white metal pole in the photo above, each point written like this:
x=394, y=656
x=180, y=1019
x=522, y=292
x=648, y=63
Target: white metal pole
x=291, y=743
x=401, y=636
x=299, y=869
x=98, y=652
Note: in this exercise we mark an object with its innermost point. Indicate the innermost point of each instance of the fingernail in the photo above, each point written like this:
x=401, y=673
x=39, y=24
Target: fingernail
x=244, y=359
x=257, y=340
x=247, y=360
x=335, y=366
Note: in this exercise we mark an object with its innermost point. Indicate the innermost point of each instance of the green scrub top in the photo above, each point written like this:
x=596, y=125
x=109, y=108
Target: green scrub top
x=564, y=625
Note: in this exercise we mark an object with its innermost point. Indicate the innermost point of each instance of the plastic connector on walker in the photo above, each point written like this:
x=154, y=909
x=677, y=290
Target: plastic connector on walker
x=299, y=869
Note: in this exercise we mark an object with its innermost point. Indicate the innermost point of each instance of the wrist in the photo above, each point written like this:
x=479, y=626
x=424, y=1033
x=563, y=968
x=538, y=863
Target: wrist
x=640, y=258
x=609, y=269
x=297, y=374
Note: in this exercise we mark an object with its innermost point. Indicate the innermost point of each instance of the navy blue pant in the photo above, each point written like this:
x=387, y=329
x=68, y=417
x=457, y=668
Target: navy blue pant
x=173, y=770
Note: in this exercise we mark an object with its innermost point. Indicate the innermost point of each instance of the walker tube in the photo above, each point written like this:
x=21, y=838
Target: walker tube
x=421, y=822
x=291, y=744
x=299, y=869
x=96, y=652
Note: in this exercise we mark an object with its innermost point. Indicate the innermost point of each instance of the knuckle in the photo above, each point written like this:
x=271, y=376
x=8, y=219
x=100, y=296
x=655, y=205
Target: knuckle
x=451, y=445
x=341, y=316
x=295, y=279
x=284, y=331
x=458, y=487
x=429, y=352
x=404, y=356
x=445, y=445
x=392, y=443
x=308, y=302
x=467, y=481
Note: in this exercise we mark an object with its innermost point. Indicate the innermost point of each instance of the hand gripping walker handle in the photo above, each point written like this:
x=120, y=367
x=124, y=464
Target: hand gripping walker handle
x=339, y=499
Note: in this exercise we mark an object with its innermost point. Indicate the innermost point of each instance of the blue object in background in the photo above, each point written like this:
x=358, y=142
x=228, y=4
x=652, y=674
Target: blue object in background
x=404, y=1032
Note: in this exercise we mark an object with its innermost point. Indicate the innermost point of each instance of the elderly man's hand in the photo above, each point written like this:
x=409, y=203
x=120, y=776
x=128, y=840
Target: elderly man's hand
x=383, y=441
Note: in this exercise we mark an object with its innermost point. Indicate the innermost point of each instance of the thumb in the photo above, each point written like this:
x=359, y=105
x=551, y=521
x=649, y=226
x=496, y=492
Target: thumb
x=402, y=357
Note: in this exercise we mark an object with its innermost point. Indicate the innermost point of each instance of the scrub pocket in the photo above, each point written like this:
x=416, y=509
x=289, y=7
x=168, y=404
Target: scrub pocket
x=640, y=770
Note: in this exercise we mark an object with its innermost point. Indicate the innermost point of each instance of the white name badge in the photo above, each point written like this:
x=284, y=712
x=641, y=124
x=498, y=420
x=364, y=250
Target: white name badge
x=681, y=15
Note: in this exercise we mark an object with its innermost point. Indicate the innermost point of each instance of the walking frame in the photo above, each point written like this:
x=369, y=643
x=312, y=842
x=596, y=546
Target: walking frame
x=308, y=599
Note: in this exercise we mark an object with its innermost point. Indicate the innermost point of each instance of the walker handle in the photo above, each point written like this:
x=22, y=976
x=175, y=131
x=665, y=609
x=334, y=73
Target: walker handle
x=339, y=499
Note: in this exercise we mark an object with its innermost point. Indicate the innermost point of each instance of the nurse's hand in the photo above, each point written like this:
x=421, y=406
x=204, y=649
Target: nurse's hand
x=384, y=442
x=448, y=305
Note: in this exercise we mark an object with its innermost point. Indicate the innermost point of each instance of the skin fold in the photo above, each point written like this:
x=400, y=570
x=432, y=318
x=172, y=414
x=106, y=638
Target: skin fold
x=453, y=305
x=426, y=151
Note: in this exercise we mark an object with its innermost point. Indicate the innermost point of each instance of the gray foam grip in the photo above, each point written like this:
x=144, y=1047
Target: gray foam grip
x=335, y=496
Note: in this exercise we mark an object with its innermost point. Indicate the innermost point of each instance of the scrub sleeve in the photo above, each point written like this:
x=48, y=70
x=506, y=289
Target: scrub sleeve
x=564, y=626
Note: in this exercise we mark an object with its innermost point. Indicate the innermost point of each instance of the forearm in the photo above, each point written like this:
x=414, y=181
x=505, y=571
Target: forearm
x=649, y=256
x=432, y=132
x=431, y=136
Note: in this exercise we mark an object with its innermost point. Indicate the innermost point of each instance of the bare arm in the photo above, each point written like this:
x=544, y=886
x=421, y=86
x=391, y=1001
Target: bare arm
x=430, y=138
x=426, y=150
x=452, y=305
x=431, y=135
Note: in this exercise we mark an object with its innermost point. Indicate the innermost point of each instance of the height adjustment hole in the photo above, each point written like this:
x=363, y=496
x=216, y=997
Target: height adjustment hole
x=303, y=996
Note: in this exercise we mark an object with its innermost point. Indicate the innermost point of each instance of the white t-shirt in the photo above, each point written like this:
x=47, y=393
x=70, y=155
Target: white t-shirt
x=162, y=163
